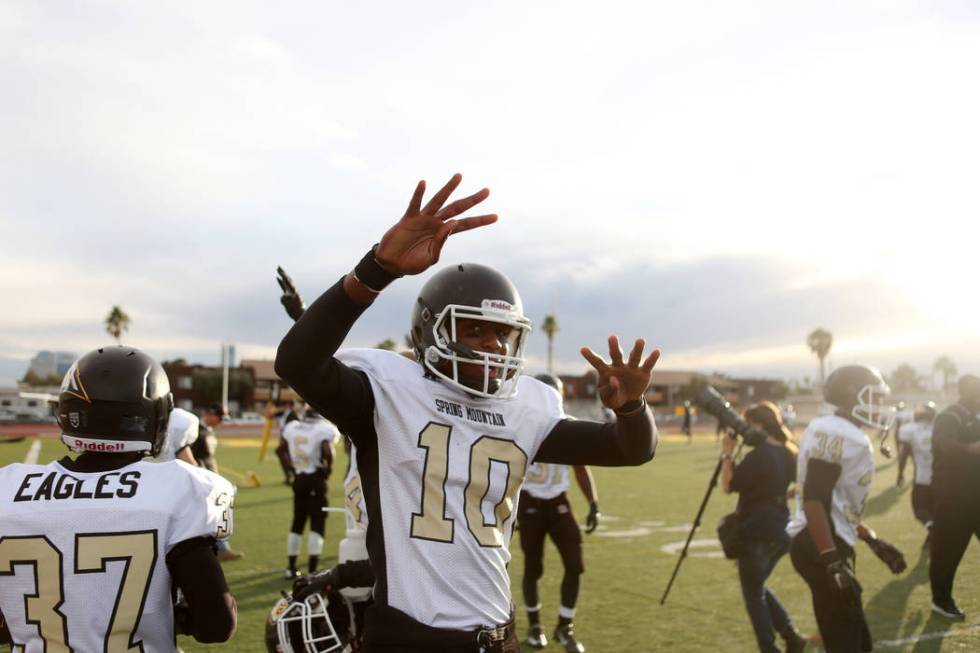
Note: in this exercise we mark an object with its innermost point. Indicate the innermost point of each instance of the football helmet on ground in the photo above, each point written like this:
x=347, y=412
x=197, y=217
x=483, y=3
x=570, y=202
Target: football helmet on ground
x=475, y=292
x=115, y=400
x=859, y=391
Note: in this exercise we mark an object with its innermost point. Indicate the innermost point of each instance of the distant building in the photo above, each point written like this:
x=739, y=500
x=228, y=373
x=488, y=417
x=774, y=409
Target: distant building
x=18, y=405
x=47, y=363
x=195, y=387
x=268, y=385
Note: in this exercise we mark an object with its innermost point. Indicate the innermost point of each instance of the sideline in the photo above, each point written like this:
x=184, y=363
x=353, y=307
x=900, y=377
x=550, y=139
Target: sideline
x=939, y=634
x=33, y=452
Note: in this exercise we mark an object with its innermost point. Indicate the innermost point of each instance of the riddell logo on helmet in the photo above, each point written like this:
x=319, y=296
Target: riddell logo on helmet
x=497, y=305
x=89, y=445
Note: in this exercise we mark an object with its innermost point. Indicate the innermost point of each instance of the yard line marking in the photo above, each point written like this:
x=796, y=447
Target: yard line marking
x=939, y=634
x=33, y=452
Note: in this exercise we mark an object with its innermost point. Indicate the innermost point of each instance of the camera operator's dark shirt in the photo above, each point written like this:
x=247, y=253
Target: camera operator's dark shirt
x=761, y=480
x=954, y=470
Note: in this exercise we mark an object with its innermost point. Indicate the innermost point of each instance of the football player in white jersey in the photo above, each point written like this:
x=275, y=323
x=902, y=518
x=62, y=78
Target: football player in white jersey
x=443, y=442
x=306, y=451
x=915, y=442
x=182, y=431
x=544, y=511
x=834, y=469
x=91, y=548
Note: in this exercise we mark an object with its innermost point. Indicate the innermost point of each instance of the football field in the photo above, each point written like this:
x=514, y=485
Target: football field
x=646, y=516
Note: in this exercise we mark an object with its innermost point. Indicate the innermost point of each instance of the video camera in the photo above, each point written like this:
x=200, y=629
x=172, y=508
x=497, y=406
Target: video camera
x=713, y=403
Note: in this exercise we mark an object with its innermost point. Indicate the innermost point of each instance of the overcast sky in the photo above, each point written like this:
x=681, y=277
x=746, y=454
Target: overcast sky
x=720, y=178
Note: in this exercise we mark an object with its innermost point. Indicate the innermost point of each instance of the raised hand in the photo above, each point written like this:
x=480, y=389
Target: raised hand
x=415, y=242
x=622, y=381
x=290, y=299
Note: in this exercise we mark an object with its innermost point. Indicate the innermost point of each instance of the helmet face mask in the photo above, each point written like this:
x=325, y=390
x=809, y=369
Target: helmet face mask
x=454, y=298
x=871, y=409
x=303, y=627
x=859, y=392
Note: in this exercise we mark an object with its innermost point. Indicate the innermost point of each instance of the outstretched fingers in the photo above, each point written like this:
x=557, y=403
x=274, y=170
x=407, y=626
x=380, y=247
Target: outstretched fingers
x=415, y=204
x=463, y=205
x=440, y=198
x=465, y=224
x=636, y=354
x=594, y=360
x=615, y=351
x=651, y=360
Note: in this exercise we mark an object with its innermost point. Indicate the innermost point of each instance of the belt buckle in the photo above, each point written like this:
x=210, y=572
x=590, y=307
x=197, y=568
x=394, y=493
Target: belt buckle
x=490, y=637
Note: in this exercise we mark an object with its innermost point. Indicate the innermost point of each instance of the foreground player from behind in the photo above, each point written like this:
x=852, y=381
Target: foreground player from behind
x=443, y=443
x=834, y=469
x=90, y=548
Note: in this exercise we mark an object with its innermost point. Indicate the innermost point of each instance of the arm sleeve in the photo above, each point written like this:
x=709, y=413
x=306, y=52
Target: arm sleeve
x=821, y=476
x=631, y=440
x=305, y=360
x=211, y=614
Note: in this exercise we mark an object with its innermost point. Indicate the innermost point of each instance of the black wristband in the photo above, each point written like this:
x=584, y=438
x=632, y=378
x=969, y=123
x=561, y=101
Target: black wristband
x=631, y=408
x=371, y=274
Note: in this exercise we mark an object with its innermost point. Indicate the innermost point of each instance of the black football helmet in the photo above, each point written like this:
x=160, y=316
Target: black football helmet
x=320, y=623
x=860, y=391
x=115, y=399
x=478, y=292
x=553, y=381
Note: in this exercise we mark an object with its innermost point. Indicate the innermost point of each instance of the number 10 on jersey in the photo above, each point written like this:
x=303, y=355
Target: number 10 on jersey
x=431, y=522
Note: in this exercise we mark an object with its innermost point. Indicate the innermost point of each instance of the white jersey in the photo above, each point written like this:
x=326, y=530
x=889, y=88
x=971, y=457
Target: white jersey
x=353, y=496
x=546, y=480
x=446, y=471
x=918, y=435
x=838, y=441
x=182, y=431
x=305, y=438
x=83, y=555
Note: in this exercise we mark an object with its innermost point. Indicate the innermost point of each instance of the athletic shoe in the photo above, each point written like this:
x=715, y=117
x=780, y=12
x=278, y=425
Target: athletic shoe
x=536, y=637
x=565, y=636
x=291, y=574
x=228, y=554
x=948, y=609
x=794, y=641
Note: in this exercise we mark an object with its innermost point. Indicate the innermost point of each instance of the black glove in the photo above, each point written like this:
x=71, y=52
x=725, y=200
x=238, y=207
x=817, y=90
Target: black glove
x=843, y=583
x=308, y=585
x=290, y=297
x=182, y=618
x=888, y=554
x=592, y=521
x=289, y=478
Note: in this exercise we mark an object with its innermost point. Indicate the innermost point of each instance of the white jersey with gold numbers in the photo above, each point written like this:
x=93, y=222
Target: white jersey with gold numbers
x=83, y=555
x=837, y=441
x=305, y=439
x=449, y=467
x=546, y=480
x=918, y=435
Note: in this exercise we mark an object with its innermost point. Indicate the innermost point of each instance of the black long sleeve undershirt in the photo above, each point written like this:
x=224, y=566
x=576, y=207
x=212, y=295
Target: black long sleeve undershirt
x=211, y=614
x=305, y=360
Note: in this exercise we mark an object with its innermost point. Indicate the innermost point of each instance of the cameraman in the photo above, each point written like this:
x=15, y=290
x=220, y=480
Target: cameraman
x=761, y=480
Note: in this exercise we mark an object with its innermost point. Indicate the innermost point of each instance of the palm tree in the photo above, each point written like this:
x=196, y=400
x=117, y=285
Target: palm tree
x=944, y=365
x=820, y=342
x=550, y=328
x=116, y=323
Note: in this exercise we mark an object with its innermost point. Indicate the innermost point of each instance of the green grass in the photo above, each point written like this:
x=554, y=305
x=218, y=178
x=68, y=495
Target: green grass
x=619, y=606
